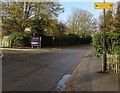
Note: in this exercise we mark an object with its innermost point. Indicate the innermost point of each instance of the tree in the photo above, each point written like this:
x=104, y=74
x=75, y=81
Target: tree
x=51, y=29
x=108, y=21
x=81, y=21
x=16, y=16
x=94, y=26
x=117, y=19
x=62, y=27
x=112, y=20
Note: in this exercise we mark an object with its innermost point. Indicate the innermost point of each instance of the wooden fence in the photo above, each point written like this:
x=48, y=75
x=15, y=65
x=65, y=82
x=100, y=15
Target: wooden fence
x=113, y=63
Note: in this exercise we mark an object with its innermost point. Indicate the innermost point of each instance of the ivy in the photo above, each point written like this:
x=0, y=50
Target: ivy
x=112, y=43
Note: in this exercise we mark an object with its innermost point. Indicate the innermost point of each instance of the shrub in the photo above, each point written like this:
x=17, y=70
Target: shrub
x=23, y=39
x=66, y=40
x=20, y=39
x=112, y=43
x=86, y=39
x=46, y=41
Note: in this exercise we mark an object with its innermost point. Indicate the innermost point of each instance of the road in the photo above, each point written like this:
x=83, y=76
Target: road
x=39, y=71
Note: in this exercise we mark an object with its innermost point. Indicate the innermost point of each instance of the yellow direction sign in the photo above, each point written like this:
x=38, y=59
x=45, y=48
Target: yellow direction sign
x=103, y=5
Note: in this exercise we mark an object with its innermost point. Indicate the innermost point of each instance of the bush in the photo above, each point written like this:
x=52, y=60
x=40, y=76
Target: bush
x=66, y=40
x=20, y=39
x=112, y=43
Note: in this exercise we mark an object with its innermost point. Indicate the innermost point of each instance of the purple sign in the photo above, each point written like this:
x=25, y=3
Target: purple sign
x=35, y=41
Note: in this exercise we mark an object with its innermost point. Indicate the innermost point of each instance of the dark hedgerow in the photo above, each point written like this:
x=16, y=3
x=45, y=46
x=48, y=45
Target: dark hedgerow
x=66, y=40
x=22, y=39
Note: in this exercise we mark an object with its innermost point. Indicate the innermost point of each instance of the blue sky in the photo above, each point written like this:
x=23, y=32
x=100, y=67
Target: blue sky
x=89, y=6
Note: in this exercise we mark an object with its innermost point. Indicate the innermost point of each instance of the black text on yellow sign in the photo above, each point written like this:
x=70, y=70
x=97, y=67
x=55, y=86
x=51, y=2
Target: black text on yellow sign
x=103, y=5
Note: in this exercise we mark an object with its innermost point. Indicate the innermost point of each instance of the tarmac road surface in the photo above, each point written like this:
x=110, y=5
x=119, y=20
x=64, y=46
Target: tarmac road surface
x=39, y=71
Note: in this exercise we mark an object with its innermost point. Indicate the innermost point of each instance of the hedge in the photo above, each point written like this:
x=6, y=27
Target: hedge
x=112, y=43
x=22, y=39
x=66, y=40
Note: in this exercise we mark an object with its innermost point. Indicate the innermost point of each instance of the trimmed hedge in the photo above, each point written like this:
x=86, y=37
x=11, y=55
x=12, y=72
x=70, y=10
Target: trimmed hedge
x=112, y=43
x=46, y=41
x=86, y=39
x=22, y=39
x=66, y=40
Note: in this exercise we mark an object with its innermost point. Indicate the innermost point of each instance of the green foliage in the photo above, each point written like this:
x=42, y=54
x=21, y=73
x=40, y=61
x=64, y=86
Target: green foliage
x=108, y=21
x=86, y=39
x=16, y=16
x=62, y=27
x=52, y=29
x=112, y=21
x=47, y=41
x=66, y=40
x=117, y=22
x=23, y=39
x=20, y=39
x=112, y=43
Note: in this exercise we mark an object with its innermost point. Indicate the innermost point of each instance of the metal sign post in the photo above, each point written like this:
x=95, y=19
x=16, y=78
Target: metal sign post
x=80, y=39
x=40, y=42
x=104, y=6
x=104, y=64
x=53, y=41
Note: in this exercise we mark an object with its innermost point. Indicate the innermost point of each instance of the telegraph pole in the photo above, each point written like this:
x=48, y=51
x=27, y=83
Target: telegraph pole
x=104, y=64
